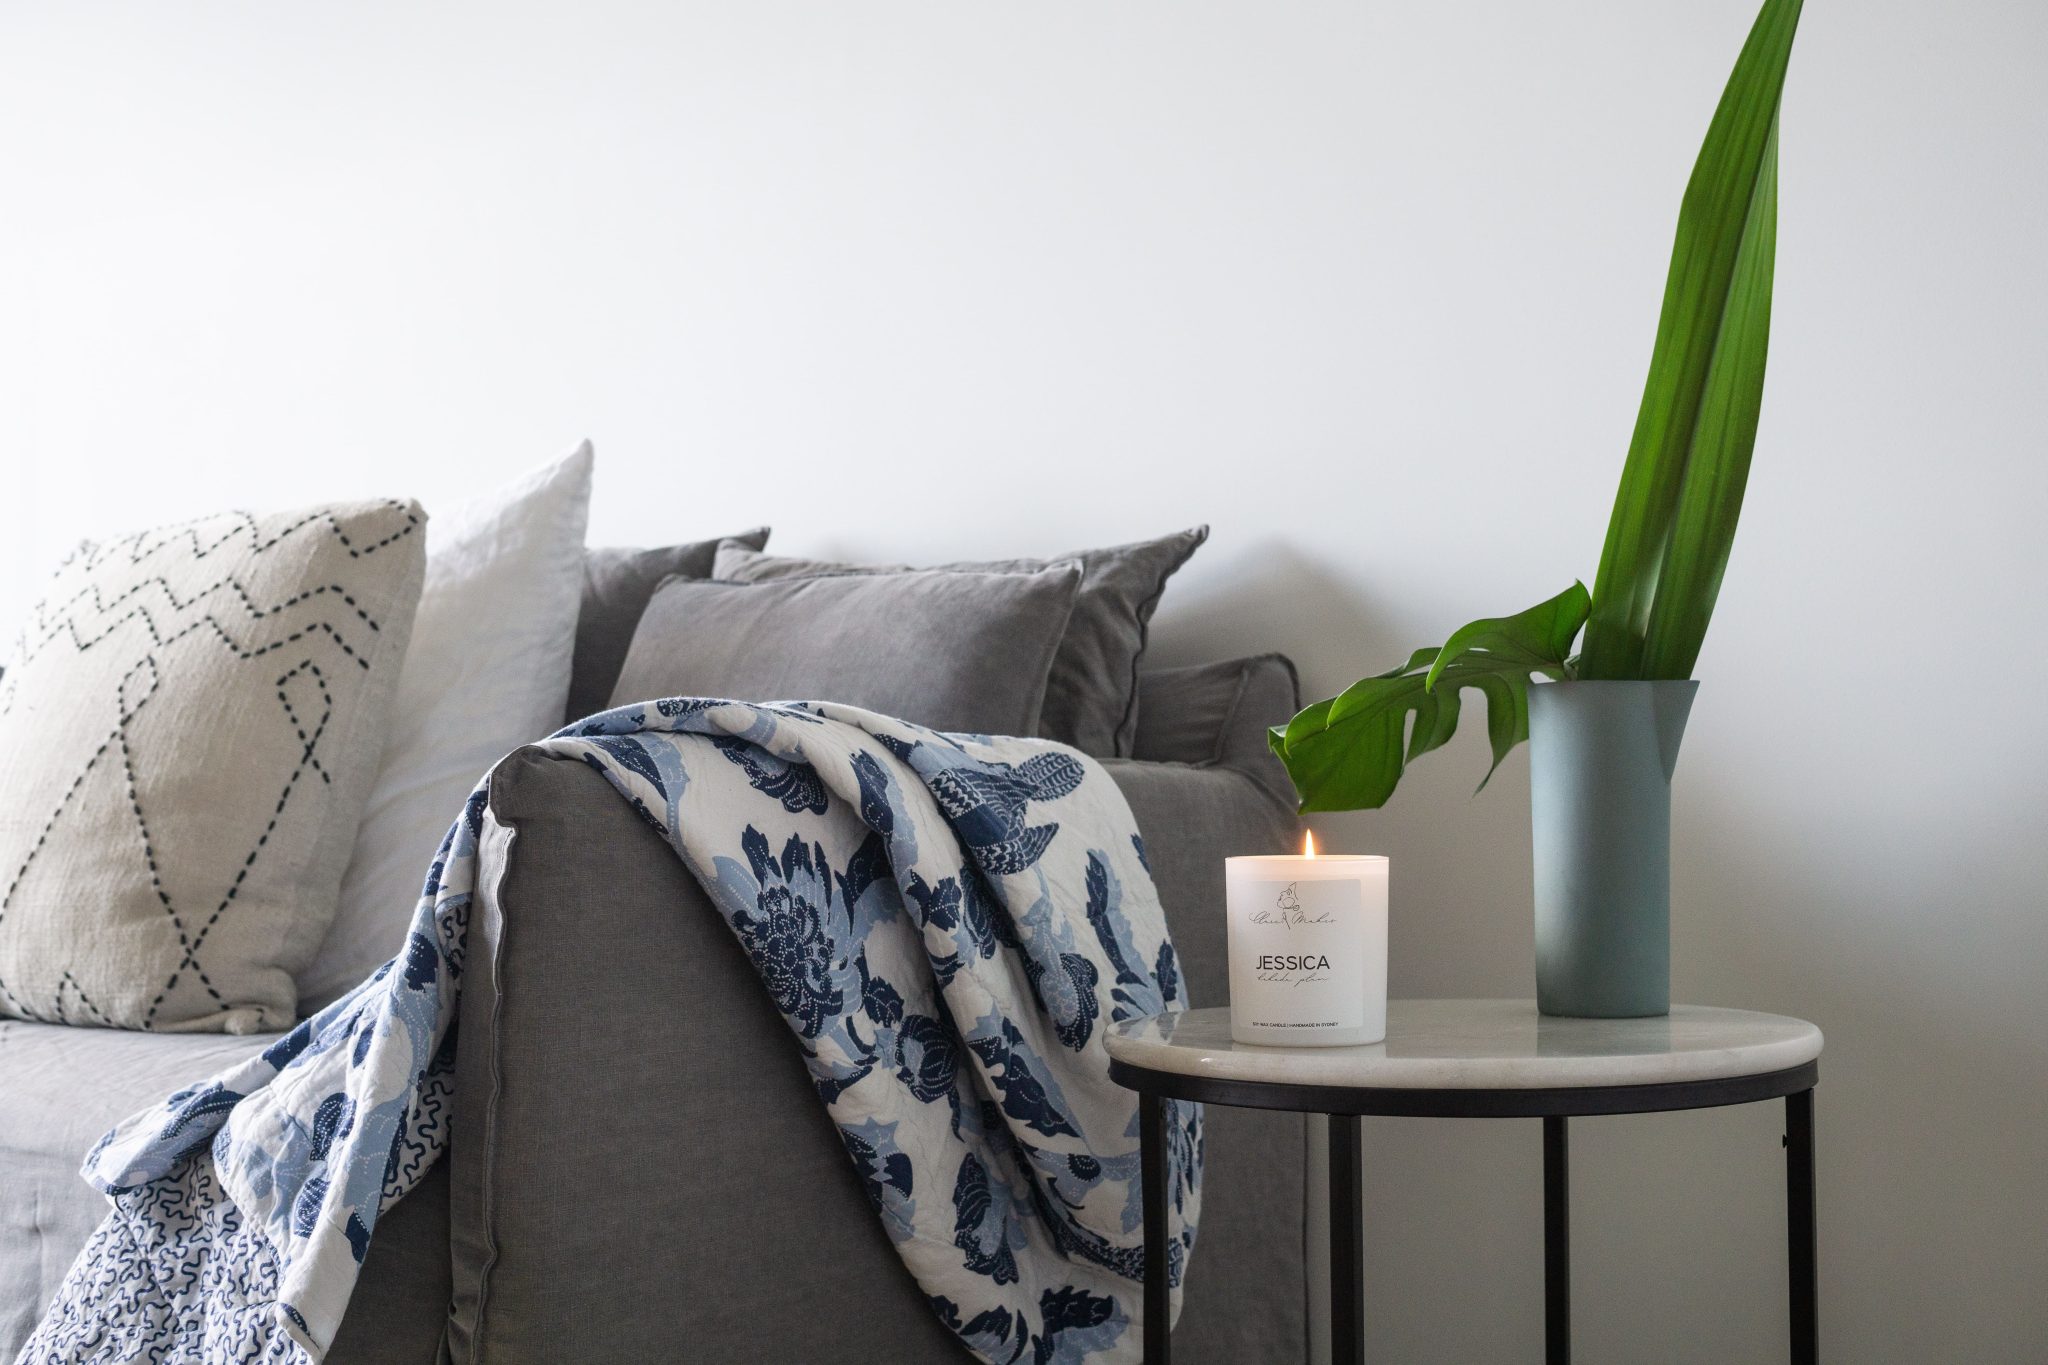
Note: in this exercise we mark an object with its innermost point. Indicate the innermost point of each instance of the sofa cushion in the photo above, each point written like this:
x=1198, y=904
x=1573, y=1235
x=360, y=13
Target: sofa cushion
x=189, y=733
x=61, y=1088
x=617, y=585
x=955, y=651
x=486, y=673
x=1091, y=698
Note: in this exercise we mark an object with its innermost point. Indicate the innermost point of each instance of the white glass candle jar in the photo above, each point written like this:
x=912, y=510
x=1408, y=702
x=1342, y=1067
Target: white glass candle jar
x=1308, y=949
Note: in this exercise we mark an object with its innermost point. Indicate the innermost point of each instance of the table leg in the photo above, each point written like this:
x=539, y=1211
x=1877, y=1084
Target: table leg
x=1557, y=1243
x=1158, y=1295
x=1347, y=1241
x=1802, y=1242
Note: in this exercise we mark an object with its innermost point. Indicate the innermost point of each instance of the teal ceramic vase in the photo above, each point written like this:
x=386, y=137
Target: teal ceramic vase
x=1600, y=761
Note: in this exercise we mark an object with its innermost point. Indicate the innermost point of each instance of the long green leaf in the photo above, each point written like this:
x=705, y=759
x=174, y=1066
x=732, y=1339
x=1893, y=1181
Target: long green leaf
x=1681, y=488
x=1348, y=753
x=1703, y=530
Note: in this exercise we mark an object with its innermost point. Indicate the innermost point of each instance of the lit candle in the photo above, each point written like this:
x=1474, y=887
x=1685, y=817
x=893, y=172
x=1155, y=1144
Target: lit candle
x=1308, y=948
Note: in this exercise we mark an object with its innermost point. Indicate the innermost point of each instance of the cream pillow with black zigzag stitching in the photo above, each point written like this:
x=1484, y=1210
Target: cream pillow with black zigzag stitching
x=188, y=730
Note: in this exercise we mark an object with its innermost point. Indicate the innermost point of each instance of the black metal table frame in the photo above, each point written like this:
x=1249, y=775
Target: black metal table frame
x=1345, y=1105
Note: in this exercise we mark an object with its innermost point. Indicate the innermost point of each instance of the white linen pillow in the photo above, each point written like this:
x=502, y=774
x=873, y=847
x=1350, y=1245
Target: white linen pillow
x=488, y=671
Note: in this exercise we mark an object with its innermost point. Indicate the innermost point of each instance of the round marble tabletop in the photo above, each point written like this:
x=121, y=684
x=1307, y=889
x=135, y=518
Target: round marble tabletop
x=1482, y=1045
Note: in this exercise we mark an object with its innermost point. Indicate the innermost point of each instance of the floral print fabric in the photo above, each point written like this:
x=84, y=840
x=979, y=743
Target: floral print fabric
x=947, y=923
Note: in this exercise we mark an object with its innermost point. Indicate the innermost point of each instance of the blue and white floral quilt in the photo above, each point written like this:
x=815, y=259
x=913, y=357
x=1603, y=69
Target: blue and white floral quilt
x=946, y=922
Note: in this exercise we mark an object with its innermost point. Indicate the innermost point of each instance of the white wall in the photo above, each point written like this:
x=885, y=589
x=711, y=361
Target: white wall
x=1370, y=288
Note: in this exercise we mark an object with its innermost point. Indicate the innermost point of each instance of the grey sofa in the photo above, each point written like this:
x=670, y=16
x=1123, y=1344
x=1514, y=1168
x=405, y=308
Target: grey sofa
x=640, y=1170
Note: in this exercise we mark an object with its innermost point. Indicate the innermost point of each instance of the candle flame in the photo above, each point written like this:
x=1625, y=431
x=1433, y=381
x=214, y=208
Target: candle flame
x=1308, y=843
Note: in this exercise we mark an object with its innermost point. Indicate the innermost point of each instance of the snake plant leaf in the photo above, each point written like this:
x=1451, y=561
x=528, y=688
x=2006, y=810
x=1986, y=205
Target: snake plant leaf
x=1688, y=461
x=1349, y=753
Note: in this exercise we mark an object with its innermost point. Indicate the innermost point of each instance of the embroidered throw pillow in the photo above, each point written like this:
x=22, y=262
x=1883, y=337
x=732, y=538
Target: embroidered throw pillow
x=1091, y=700
x=189, y=726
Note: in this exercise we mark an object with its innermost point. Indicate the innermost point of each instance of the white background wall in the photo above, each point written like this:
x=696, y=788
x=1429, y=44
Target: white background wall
x=1370, y=288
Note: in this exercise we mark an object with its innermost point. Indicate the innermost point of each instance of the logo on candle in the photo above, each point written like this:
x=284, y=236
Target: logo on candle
x=1287, y=911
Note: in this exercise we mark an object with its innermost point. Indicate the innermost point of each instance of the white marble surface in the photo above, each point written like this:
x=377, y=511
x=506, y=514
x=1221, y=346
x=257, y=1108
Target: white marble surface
x=1483, y=1045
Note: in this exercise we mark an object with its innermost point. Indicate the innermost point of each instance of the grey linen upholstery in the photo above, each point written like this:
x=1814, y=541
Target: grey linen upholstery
x=61, y=1087
x=651, y=1176
x=954, y=651
x=617, y=584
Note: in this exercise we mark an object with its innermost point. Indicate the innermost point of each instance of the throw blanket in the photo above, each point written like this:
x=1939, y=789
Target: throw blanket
x=947, y=923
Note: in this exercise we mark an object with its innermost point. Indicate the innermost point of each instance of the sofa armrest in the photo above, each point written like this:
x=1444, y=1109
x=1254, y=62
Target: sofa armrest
x=641, y=1167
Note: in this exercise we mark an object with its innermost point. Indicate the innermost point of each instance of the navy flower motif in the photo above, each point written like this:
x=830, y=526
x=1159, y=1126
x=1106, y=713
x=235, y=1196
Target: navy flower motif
x=1167, y=969
x=927, y=1058
x=876, y=810
x=981, y=1223
x=1025, y=1097
x=358, y=1236
x=194, y=1105
x=1075, y=1324
x=786, y=938
x=883, y=1001
x=988, y=1333
x=868, y=865
x=1066, y=990
x=331, y=1122
x=796, y=785
x=422, y=962
x=878, y=1171
x=366, y=1033
x=630, y=755
x=1132, y=996
x=281, y=1053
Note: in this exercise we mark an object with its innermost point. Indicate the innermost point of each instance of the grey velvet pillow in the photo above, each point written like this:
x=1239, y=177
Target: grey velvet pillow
x=1091, y=699
x=954, y=651
x=617, y=584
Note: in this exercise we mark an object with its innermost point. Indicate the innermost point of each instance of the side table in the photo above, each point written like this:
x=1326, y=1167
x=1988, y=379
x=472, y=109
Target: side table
x=1477, y=1059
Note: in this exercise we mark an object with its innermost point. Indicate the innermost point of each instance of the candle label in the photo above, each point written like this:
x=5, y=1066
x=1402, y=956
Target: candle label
x=1299, y=954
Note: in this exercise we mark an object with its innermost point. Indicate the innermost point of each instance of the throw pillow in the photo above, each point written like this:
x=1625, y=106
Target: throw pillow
x=1091, y=700
x=488, y=672
x=617, y=584
x=189, y=730
x=953, y=651
x=1195, y=714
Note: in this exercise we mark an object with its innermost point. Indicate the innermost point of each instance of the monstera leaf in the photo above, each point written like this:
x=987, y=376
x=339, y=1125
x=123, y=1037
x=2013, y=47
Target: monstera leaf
x=1348, y=753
